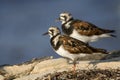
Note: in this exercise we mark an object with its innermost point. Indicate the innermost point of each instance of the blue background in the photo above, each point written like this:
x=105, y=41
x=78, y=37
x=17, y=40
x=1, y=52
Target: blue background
x=22, y=23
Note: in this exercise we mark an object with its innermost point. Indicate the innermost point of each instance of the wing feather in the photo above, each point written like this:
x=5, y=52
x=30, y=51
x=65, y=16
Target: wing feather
x=88, y=29
x=75, y=46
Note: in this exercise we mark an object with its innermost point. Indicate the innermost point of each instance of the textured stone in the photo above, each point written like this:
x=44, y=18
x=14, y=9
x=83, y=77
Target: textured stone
x=37, y=68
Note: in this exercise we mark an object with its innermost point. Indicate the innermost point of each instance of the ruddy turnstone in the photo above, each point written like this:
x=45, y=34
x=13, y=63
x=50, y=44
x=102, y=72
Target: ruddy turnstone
x=69, y=47
x=82, y=30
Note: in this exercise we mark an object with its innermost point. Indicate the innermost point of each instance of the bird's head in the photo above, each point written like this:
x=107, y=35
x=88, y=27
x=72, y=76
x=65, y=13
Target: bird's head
x=52, y=31
x=65, y=17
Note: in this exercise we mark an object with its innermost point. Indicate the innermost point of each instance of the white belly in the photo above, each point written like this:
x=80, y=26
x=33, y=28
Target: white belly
x=62, y=52
x=87, y=39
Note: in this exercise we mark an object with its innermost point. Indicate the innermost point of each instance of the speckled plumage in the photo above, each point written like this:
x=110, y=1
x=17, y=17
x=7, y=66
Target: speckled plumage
x=69, y=47
x=82, y=30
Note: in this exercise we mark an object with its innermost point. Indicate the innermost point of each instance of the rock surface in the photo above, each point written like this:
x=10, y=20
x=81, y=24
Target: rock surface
x=36, y=69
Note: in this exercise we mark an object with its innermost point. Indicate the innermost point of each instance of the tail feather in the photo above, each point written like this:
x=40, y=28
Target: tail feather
x=113, y=35
x=103, y=51
x=110, y=31
x=99, y=50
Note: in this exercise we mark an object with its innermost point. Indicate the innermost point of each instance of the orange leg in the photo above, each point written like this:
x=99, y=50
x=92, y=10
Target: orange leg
x=74, y=67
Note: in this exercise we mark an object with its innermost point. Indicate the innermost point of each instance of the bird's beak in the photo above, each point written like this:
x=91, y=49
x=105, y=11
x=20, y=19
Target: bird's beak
x=45, y=34
x=58, y=19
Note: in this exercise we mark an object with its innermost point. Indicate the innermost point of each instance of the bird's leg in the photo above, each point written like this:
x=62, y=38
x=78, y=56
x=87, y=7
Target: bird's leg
x=69, y=61
x=74, y=67
x=74, y=64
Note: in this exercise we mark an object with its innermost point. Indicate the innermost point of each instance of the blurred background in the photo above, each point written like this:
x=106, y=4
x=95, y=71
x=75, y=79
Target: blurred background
x=22, y=23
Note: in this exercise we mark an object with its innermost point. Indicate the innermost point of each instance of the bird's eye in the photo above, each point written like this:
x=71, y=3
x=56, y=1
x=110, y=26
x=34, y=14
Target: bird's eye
x=64, y=17
x=51, y=31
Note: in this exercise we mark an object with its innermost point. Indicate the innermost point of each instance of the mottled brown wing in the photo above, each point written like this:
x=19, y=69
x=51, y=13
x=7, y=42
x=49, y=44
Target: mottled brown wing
x=75, y=46
x=87, y=29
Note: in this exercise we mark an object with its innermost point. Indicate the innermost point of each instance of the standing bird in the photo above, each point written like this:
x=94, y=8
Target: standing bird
x=69, y=47
x=82, y=30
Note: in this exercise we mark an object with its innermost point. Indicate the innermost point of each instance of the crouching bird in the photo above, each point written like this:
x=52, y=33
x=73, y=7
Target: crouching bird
x=69, y=47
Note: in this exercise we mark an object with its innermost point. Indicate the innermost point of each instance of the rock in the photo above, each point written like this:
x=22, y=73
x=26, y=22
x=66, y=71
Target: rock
x=37, y=69
x=2, y=77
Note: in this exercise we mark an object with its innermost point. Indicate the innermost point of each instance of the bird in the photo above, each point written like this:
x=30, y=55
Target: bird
x=82, y=30
x=69, y=47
